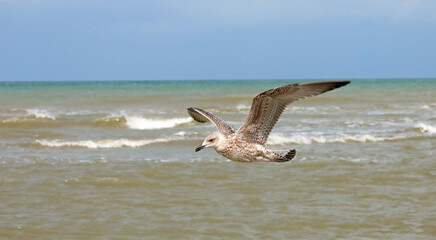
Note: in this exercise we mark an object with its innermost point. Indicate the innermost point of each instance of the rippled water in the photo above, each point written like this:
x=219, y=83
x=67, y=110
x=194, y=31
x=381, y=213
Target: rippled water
x=116, y=160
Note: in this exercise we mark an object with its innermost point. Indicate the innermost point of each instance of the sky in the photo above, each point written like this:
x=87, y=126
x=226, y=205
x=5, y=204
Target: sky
x=44, y=40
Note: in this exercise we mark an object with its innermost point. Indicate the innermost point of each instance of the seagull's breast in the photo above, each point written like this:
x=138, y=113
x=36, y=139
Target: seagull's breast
x=238, y=150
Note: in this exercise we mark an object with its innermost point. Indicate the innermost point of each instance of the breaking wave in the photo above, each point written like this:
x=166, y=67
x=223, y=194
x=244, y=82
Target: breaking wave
x=39, y=117
x=28, y=116
x=364, y=138
x=142, y=123
x=300, y=139
x=40, y=113
x=428, y=106
x=243, y=107
x=135, y=122
x=102, y=143
x=425, y=128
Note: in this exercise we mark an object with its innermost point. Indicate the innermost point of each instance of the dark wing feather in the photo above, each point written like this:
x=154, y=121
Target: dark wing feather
x=202, y=116
x=269, y=105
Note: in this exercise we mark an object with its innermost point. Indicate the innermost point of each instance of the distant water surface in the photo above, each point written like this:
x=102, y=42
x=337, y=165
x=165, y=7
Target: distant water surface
x=116, y=160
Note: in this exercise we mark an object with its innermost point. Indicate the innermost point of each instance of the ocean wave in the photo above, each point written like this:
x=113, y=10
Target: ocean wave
x=425, y=128
x=428, y=106
x=82, y=113
x=39, y=117
x=388, y=112
x=118, y=143
x=303, y=109
x=31, y=116
x=186, y=134
x=243, y=107
x=301, y=139
x=141, y=123
x=40, y=113
x=12, y=120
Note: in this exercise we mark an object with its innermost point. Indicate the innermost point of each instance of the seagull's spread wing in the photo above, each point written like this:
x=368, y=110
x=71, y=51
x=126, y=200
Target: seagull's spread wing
x=269, y=105
x=202, y=116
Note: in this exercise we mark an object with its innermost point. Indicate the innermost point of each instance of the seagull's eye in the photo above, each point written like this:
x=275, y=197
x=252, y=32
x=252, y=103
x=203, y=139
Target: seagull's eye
x=211, y=140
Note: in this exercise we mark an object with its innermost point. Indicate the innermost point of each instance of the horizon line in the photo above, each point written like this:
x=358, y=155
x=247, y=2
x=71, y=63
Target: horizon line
x=240, y=79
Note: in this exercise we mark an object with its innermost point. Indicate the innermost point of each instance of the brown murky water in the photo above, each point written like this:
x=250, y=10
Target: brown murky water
x=216, y=200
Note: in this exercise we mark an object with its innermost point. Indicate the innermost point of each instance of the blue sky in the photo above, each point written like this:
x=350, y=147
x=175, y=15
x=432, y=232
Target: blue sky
x=227, y=39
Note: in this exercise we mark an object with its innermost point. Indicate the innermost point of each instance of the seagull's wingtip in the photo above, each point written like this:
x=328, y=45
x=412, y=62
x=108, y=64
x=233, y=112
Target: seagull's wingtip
x=343, y=83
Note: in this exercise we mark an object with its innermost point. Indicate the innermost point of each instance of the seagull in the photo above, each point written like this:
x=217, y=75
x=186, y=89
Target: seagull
x=247, y=144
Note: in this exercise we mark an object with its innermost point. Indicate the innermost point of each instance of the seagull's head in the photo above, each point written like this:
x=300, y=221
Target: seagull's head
x=211, y=141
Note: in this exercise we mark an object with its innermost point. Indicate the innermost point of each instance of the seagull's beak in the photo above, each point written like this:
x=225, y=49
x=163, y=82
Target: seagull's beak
x=200, y=147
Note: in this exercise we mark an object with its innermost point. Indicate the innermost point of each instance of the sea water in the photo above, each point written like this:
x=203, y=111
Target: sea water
x=116, y=160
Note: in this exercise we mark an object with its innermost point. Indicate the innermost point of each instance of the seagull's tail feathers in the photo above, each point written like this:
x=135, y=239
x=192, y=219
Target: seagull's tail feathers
x=288, y=156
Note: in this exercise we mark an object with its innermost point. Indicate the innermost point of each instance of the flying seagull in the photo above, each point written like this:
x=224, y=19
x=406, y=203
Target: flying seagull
x=247, y=144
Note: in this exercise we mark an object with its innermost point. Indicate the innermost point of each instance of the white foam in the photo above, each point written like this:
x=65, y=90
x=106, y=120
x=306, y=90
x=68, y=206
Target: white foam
x=364, y=159
x=101, y=144
x=180, y=133
x=428, y=106
x=243, y=107
x=301, y=139
x=11, y=120
x=185, y=134
x=321, y=110
x=141, y=123
x=303, y=109
x=425, y=128
x=80, y=113
x=40, y=113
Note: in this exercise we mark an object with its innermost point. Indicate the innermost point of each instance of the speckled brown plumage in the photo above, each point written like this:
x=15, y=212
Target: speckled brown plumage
x=247, y=144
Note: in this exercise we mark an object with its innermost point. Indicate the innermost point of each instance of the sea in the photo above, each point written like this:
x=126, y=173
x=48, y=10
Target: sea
x=116, y=160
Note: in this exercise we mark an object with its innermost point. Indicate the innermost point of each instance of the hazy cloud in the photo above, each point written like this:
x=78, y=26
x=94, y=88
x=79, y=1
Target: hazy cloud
x=253, y=12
